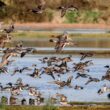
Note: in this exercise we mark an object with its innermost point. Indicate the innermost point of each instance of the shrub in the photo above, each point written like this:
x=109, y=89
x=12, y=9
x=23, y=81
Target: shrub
x=91, y=16
x=72, y=16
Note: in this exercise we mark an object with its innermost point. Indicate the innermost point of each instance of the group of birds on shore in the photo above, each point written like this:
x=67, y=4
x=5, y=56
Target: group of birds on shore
x=41, y=7
x=55, y=67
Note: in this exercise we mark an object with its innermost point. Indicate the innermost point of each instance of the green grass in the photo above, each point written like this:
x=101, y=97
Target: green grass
x=2, y=107
x=89, y=103
x=49, y=106
x=55, y=108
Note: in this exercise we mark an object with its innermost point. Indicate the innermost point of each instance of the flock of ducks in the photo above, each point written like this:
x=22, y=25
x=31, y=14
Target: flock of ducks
x=55, y=68
x=41, y=7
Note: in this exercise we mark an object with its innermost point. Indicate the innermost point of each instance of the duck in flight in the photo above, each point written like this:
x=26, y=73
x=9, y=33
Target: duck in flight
x=103, y=89
x=63, y=83
x=5, y=59
x=4, y=39
x=62, y=41
x=49, y=71
x=21, y=70
x=92, y=80
x=84, y=55
x=82, y=75
x=65, y=9
x=107, y=74
x=78, y=87
x=36, y=73
x=39, y=9
x=81, y=66
x=9, y=29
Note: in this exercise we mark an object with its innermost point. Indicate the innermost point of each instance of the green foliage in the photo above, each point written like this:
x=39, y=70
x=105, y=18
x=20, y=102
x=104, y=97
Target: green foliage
x=72, y=16
x=91, y=16
x=2, y=107
x=4, y=100
x=86, y=16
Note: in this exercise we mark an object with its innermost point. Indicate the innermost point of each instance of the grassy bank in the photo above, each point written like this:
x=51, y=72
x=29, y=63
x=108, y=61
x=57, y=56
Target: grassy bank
x=55, y=108
x=73, y=106
x=90, y=103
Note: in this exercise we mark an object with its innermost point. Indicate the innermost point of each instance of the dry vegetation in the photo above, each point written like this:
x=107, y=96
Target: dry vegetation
x=90, y=11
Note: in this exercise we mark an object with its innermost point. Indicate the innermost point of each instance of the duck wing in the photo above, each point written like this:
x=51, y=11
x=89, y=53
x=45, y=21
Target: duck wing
x=88, y=82
x=69, y=79
x=63, y=12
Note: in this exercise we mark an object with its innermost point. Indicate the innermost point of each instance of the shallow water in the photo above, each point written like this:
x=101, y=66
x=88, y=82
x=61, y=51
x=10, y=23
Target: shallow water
x=81, y=42
x=89, y=93
x=59, y=30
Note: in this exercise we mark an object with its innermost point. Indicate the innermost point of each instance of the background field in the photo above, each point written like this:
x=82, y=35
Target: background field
x=90, y=11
